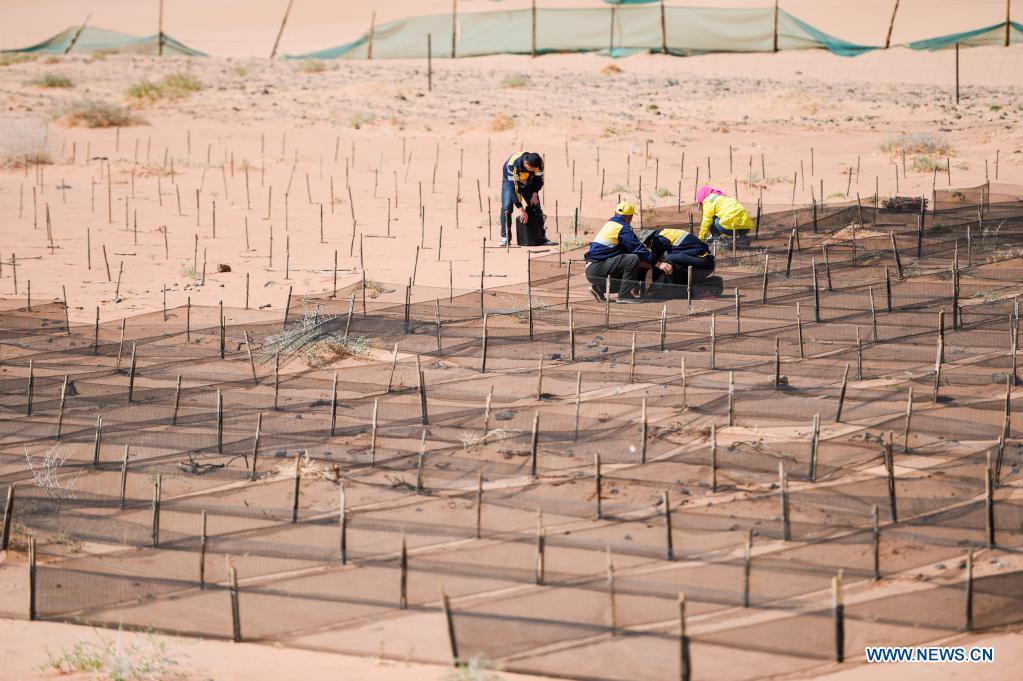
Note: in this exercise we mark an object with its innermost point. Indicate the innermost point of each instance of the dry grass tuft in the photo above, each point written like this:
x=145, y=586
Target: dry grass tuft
x=611, y=69
x=175, y=86
x=53, y=80
x=23, y=142
x=95, y=114
x=918, y=143
x=311, y=66
x=10, y=58
x=501, y=123
x=515, y=81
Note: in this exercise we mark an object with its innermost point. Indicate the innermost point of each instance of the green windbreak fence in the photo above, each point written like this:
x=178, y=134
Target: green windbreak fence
x=616, y=30
x=93, y=39
x=999, y=34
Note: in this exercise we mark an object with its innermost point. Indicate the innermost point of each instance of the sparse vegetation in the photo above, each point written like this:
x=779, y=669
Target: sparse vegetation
x=611, y=69
x=515, y=81
x=146, y=659
x=361, y=118
x=928, y=164
x=23, y=142
x=476, y=668
x=570, y=243
x=174, y=86
x=502, y=122
x=377, y=288
x=54, y=80
x=316, y=339
x=924, y=143
x=96, y=114
x=539, y=307
x=9, y=58
x=311, y=66
x=662, y=193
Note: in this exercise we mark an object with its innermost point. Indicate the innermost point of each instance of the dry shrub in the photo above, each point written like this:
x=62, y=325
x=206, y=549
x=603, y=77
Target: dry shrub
x=175, y=86
x=23, y=142
x=9, y=58
x=56, y=80
x=611, y=69
x=95, y=114
x=515, y=81
x=924, y=143
x=502, y=122
x=311, y=66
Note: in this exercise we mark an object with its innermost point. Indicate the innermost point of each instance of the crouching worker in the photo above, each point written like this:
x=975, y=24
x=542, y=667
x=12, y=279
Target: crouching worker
x=522, y=180
x=681, y=249
x=617, y=252
x=723, y=217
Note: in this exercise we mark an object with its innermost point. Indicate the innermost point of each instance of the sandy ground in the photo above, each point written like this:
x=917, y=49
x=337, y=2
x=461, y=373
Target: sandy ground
x=749, y=123
x=376, y=128
x=223, y=661
x=202, y=659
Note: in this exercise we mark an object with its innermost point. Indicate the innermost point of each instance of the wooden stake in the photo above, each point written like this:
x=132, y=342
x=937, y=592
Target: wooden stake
x=815, y=444
x=296, y=489
x=838, y=609
x=533, y=441
x=783, y=486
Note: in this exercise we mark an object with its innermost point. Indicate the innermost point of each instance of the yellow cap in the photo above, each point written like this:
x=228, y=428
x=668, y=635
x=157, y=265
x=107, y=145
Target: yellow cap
x=625, y=208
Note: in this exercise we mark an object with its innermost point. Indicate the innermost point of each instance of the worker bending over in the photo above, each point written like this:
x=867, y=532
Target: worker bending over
x=522, y=181
x=723, y=216
x=681, y=249
x=618, y=253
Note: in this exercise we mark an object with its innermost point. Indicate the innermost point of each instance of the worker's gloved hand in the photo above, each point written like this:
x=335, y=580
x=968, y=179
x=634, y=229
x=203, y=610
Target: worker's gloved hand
x=664, y=267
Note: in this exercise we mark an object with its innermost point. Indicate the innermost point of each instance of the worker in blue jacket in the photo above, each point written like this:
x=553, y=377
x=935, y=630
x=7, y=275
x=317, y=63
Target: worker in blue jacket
x=522, y=180
x=681, y=249
x=618, y=253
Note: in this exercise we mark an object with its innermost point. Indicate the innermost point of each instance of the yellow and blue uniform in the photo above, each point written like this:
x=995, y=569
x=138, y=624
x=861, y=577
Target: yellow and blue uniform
x=518, y=187
x=724, y=215
x=667, y=241
x=524, y=182
x=617, y=238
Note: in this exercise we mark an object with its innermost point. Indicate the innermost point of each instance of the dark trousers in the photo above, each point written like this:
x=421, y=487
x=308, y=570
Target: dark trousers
x=703, y=268
x=624, y=270
x=508, y=207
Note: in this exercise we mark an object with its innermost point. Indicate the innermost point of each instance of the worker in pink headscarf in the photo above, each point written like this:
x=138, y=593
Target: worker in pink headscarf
x=723, y=216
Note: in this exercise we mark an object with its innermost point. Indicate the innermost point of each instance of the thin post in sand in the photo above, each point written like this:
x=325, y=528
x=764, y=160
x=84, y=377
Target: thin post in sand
x=541, y=546
x=124, y=479
x=875, y=540
x=747, y=559
x=815, y=445
x=422, y=392
x=255, y=446
x=713, y=443
x=598, y=486
x=838, y=611
x=533, y=442
x=841, y=394
x=155, y=528
x=297, y=488
x=783, y=487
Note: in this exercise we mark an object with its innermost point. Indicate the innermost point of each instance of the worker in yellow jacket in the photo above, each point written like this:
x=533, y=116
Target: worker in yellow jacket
x=723, y=216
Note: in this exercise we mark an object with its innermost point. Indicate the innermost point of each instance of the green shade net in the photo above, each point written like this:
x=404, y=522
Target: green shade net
x=687, y=30
x=93, y=39
x=991, y=35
